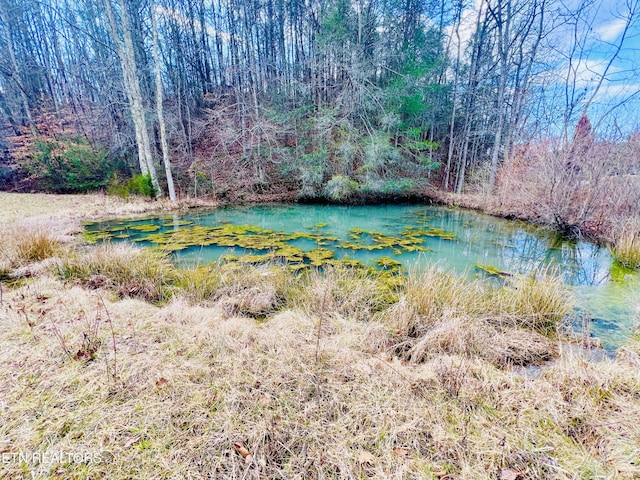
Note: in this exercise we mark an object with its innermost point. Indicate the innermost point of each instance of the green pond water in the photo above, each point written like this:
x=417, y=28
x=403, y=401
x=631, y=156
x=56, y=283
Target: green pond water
x=382, y=236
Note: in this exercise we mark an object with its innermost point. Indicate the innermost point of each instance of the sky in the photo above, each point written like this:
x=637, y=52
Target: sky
x=615, y=108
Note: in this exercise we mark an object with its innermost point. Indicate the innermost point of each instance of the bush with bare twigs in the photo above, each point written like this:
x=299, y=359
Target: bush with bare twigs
x=585, y=188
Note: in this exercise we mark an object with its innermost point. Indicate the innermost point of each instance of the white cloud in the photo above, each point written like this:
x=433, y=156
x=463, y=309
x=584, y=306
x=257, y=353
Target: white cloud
x=589, y=71
x=466, y=29
x=617, y=91
x=612, y=30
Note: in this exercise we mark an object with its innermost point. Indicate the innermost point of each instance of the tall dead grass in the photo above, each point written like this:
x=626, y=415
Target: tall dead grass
x=202, y=395
x=22, y=245
x=432, y=294
x=353, y=293
x=131, y=272
x=626, y=246
x=440, y=312
x=538, y=302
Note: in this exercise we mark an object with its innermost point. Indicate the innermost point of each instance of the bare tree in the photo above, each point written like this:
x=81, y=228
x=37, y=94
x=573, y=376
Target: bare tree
x=159, y=110
x=126, y=53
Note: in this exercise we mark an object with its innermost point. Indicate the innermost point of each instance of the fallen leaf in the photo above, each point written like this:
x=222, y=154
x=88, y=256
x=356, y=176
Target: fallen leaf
x=440, y=474
x=509, y=474
x=401, y=452
x=365, y=457
x=162, y=382
x=241, y=450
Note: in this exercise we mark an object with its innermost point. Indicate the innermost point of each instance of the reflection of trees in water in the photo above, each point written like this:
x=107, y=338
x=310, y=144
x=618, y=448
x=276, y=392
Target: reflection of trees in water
x=518, y=250
x=581, y=263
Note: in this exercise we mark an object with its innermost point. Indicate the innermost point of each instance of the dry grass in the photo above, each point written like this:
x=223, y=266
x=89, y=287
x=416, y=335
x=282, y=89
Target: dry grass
x=191, y=382
x=131, y=272
x=539, y=302
x=343, y=291
x=22, y=247
x=432, y=294
x=626, y=248
x=253, y=292
x=317, y=388
x=440, y=312
x=65, y=209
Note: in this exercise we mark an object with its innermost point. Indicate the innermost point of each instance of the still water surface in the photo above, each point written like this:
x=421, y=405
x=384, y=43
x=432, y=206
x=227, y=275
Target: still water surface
x=606, y=292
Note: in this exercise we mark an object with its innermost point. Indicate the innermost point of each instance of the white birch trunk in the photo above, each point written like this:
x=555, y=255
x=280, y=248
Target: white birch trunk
x=126, y=54
x=159, y=95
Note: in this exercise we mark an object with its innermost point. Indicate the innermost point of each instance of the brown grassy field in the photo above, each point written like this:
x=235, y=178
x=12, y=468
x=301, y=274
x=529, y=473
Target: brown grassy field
x=116, y=364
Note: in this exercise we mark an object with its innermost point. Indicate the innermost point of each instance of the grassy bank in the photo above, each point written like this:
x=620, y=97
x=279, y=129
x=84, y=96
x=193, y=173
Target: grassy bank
x=230, y=371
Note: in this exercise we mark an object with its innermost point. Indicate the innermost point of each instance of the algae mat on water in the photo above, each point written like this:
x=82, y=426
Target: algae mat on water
x=265, y=245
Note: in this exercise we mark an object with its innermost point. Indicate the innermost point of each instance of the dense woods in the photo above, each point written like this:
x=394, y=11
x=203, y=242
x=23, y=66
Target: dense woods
x=333, y=99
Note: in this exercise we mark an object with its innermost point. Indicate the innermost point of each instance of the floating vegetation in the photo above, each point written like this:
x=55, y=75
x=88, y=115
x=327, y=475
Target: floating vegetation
x=349, y=263
x=146, y=227
x=319, y=256
x=620, y=273
x=409, y=240
x=96, y=236
x=493, y=271
x=410, y=232
x=177, y=223
x=388, y=263
x=502, y=244
x=267, y=245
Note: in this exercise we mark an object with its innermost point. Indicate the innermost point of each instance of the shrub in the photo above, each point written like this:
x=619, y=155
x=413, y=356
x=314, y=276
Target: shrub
x=136, y=185
x=311, y=173
x=340, y=188
x=379, y=156
x=69, y=166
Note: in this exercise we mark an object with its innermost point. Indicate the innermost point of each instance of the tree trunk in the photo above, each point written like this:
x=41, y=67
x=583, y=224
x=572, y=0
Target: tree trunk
x=159, y=95
x=126, y=53
x=15, y=73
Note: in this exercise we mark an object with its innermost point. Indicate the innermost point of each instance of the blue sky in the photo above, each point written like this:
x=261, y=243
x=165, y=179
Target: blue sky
x=621, y=83
x=600, y=28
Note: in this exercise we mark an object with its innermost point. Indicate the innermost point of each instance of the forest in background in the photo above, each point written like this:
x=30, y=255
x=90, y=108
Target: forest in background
x=326, y=100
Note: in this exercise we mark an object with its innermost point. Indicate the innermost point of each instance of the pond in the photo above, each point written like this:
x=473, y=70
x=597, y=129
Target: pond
x=382, y=236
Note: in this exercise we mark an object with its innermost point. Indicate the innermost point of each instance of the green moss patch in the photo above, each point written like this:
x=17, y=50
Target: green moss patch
x=267, y=245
